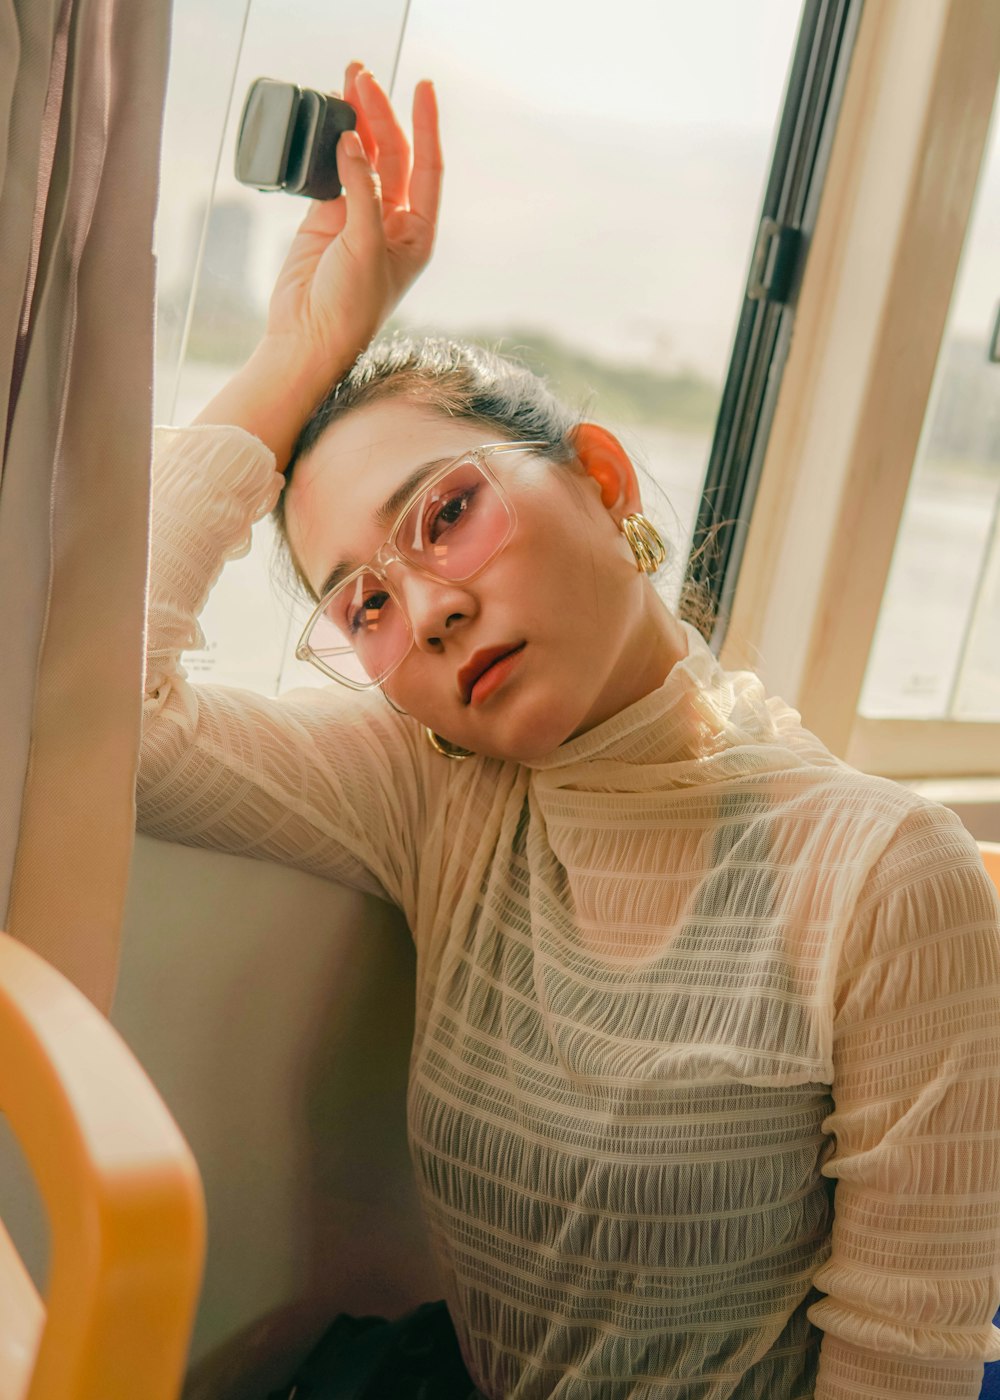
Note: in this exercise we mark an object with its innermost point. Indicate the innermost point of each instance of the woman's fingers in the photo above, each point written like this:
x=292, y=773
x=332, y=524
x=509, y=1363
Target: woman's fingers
x=388, y=183
x=406, y=181
x=393, y=149
x=428, y=165
x=353, y=96
x=324, y=217
x=353, y=257
x=363, y=227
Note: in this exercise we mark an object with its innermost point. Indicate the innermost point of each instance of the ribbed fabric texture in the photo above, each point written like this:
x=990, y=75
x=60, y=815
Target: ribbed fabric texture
x=704, y=1088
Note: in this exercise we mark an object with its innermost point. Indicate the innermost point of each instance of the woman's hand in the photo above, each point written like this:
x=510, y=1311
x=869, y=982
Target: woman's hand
x=349, y=263
x=353, y=257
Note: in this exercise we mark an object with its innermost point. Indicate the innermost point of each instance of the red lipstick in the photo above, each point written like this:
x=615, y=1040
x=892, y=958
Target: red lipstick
x=488, y=659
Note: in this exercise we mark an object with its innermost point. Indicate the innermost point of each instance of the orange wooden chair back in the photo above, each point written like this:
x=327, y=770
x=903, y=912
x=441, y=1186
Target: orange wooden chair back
x=123, y=1197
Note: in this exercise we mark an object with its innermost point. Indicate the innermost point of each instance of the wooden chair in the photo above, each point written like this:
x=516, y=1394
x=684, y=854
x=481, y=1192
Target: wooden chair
x=123, y=1197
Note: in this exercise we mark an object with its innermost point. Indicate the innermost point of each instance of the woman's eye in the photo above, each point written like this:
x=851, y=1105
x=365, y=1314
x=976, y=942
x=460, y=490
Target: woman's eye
x=450, y=513
x=368, y=613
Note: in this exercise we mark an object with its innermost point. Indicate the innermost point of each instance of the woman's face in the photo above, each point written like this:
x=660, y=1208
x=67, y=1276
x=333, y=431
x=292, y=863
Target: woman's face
x=595, y=634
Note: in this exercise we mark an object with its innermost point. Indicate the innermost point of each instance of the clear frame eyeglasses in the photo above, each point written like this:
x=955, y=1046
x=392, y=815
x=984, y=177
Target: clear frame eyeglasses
x=453, y=525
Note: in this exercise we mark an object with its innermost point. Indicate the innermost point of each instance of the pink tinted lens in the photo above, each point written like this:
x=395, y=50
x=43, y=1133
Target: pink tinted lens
x=362, y=632
x=455, y=526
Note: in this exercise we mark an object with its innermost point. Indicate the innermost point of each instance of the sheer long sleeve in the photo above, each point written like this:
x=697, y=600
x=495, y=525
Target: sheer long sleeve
x=324, y=780
x=913, y=1278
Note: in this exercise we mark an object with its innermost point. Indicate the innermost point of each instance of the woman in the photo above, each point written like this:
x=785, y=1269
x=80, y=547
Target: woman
x=680, y=971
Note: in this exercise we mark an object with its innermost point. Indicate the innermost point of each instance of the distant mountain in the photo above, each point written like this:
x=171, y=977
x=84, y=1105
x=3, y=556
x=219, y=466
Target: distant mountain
x=224, y=329
x=682, y=400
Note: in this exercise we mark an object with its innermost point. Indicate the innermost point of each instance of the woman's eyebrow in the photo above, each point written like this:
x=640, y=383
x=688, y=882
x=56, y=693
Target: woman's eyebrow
x=385, y=515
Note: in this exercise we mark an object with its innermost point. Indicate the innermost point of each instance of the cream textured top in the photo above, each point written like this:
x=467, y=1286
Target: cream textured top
x=703, y=1096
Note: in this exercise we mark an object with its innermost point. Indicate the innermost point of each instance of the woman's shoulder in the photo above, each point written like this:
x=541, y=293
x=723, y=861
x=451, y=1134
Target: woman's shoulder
x=925, y=885
x=928, y=841
x=873, y=836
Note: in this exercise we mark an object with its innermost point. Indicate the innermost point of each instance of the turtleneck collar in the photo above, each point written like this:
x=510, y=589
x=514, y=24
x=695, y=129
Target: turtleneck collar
x=699, y=710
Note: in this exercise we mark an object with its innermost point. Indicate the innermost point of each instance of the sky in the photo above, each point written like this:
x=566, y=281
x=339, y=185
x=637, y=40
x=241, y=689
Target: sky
x=605, y=163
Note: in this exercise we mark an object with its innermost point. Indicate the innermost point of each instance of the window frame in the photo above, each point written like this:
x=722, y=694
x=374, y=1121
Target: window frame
x=796, y=175
x=872, y=310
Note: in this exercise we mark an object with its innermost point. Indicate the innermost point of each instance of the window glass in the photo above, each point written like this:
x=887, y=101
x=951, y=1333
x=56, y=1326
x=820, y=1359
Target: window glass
x=219, y=247
x=936, y=652
x=604, y=173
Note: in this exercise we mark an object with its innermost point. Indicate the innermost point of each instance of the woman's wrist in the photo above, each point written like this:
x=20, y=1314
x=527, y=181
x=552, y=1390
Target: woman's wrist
x=274, y=394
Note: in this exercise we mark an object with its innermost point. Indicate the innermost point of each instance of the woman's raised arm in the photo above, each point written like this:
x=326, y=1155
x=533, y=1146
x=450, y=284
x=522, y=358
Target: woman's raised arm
x=326, y=780
x=348, y=266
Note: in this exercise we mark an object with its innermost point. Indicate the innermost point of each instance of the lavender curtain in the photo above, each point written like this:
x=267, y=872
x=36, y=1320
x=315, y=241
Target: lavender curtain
x=82, y=87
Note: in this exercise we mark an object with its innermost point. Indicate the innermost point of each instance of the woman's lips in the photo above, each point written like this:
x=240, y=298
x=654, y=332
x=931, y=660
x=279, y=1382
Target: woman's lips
x=494, y=676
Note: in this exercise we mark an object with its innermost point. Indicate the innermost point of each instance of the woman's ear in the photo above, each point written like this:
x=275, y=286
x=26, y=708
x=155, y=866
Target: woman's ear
x=603, y=458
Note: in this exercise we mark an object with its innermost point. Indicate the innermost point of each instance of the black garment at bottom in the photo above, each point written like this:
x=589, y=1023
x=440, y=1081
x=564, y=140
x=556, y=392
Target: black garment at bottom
x=414, y=1357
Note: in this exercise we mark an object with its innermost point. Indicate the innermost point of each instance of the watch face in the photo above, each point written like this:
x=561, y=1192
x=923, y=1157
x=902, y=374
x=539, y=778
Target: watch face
x=266, y=133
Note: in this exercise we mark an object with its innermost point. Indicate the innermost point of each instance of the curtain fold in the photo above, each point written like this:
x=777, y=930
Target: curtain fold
x=82, y=86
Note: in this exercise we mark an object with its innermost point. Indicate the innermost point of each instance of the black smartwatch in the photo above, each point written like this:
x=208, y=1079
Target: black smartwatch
x=288, y=139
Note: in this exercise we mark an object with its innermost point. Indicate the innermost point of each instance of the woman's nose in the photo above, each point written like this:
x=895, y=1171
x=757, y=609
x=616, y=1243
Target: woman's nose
x=436, y=608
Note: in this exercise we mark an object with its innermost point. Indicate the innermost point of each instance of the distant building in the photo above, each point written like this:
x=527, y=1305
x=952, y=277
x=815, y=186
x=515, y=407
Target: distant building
x=965, y=426
x=227, y=319
x=225, y=263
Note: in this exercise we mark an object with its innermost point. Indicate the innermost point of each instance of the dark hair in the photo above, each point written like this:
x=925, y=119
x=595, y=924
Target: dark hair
x=459, y=380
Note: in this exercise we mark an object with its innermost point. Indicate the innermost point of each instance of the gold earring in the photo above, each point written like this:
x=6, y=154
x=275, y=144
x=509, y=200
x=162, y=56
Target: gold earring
x=443, y=746
x=645, y=542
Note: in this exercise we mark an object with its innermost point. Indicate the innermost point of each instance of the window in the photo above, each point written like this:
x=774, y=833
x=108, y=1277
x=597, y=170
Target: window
x=603, y=190
x=852, y=409
x=936, y=652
